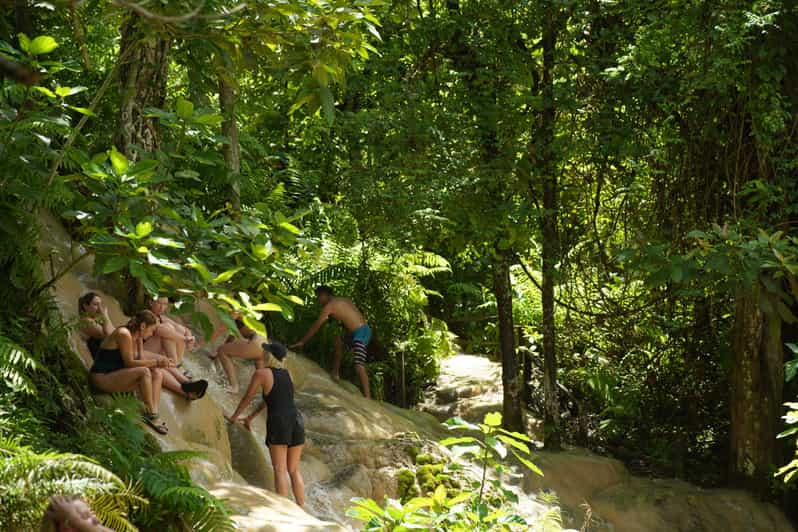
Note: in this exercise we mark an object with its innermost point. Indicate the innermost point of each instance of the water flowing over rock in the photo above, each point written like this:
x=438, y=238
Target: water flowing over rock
x=470, y=385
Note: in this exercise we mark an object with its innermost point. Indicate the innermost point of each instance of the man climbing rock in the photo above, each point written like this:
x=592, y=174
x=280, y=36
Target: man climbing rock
x=357, y=339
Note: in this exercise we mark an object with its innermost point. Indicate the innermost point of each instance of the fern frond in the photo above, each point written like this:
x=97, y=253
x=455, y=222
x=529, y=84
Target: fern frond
x=15, y=366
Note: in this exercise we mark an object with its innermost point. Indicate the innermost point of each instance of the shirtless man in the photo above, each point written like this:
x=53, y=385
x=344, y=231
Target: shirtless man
x=343, y=310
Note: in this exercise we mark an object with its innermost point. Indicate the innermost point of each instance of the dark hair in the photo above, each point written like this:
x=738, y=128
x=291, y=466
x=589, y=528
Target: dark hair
x=324, y=289
x=145, y=317
x=277, y=349
x=84, y=300
x=240, y=323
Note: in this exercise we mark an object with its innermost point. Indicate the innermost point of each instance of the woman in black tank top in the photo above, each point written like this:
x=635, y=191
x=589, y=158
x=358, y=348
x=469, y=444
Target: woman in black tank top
x=117, y=367
x=285, y=428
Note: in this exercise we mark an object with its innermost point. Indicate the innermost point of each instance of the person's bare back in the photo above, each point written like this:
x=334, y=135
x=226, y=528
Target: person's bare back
x=343, y=310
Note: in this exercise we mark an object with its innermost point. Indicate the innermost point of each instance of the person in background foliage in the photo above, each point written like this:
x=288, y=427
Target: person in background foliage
x=357, y=339
x=285, y=428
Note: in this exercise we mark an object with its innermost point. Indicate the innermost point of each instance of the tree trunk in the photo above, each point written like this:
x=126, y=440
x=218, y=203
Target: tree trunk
x=757, y=381
x=143, y=69
x=23, y=19
x=512, y=416
x=550, y=244
x=144, y=58
x=232, y=151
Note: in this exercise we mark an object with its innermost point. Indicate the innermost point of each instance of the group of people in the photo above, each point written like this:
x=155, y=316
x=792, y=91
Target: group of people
x=146, y=354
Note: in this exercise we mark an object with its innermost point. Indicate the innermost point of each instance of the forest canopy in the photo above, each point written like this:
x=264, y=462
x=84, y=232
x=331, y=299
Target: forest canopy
x=603, y=195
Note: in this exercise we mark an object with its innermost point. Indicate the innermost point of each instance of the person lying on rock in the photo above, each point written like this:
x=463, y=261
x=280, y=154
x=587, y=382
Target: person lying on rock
x=357, y=339
x=70, y=514
x=171, y=339
x=285, y=428
x=94, y=324
x=249, y=347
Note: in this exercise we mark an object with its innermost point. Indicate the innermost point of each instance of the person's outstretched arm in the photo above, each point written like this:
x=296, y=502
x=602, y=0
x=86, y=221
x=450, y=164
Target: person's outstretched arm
x=323, y=317
x=255, y=382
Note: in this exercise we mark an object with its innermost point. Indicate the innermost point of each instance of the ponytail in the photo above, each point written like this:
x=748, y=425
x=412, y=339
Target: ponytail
x=142, y=317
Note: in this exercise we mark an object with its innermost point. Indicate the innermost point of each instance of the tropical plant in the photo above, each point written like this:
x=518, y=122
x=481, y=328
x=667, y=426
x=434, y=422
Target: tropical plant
x=29, y=478
x=484, y=504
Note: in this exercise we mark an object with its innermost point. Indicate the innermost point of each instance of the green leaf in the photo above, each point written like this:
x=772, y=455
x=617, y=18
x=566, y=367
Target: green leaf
x=184, y=108
x=458, y=423
x=200, y=268
x=532, y=467
x=440, y=495
x=163, y=263
x=114, y=264
x=44, y=90
x=165, y=242
x=210, y=119
x=268, y=307
x=493, y=419
x=24, y=42
x=517, y=435
x=43, y=44
x=63, y=92
x=457, y=441
x=226, y=276
x=496, y=445
x=512, y=442
x=143, y=229
x=82, y=110
x=291, y=228
x=118, y=161
x=790, y=369
x=327, y=104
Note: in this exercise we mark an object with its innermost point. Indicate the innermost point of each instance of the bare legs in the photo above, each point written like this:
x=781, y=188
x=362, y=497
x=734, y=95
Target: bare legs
x=285, y=461
x=360, y=369
x=146, y=381
x=297, y=482
x=338, y=351
x=174, y=349
x=363, y=375
x=238, y=349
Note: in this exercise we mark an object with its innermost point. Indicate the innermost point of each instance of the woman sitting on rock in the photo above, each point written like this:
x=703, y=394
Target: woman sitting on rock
x=96, y=326
x=171, y=339
x=249, y=348
x=119, y=366
x=94, y=323
x=285, y=429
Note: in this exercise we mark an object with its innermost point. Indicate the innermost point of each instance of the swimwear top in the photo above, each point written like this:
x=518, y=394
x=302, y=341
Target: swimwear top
x=94, y=346
x=108, y=361
x=281, y=399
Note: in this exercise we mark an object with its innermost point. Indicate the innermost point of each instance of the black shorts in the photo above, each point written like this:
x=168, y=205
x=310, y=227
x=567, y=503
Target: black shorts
x=285, y=429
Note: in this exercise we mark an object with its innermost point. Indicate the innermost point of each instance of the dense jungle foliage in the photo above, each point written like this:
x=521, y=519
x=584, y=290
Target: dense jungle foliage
x=602, y=194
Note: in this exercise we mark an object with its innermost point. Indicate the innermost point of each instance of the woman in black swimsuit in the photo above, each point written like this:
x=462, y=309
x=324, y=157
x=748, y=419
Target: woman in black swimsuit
x=119, y=366
x=285, y=429
x=95, y=324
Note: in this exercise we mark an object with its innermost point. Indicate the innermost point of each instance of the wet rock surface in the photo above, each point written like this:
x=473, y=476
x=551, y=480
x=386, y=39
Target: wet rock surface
x=469, y=386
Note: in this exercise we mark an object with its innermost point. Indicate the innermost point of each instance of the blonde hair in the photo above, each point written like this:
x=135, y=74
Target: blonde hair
x=272, y=361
